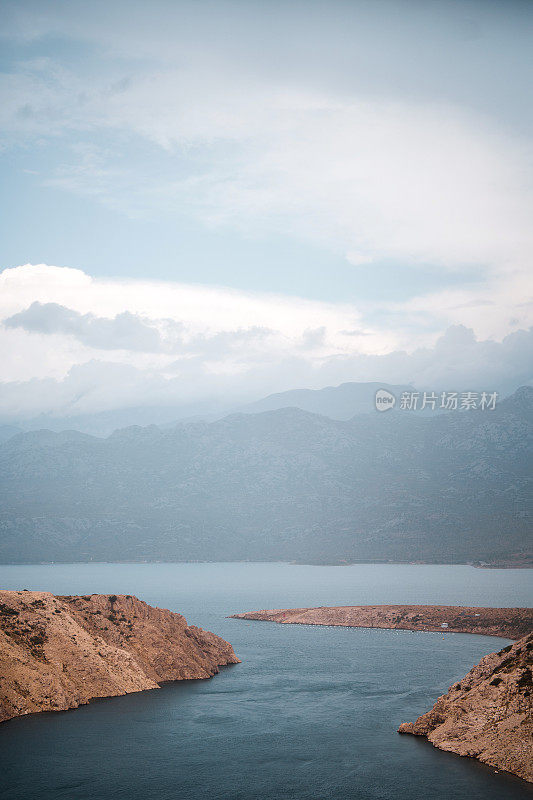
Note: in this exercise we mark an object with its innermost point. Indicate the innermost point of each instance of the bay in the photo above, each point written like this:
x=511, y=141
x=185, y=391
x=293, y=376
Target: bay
x=310, y=713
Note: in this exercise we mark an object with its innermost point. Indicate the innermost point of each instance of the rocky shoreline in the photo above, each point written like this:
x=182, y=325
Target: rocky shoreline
x=510, y=623
x=60, y=652
x=488, y=714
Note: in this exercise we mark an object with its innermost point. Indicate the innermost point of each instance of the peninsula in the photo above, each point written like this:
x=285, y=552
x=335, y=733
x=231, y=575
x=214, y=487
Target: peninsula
x=511, y=623
x=60, y=652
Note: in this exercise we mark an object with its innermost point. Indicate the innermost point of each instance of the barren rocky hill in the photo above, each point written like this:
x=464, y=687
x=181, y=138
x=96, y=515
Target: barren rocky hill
x=59, y=652
x=488, y=714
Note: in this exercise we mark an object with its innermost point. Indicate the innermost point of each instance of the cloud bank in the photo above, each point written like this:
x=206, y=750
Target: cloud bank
x=80, y=345
x=384, y=136
x=220, y=114
x=370, y=178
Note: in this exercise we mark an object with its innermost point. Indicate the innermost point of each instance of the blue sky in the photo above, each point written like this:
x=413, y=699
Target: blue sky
x=365, y=164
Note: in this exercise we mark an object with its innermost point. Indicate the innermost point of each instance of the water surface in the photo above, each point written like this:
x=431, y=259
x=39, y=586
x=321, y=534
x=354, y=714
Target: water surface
x=311, y=712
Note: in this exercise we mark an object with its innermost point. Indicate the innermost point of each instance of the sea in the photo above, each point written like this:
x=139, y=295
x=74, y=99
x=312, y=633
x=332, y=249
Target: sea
x=311, y=713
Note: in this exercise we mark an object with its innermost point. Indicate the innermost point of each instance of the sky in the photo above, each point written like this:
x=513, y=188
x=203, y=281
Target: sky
x=227, y=199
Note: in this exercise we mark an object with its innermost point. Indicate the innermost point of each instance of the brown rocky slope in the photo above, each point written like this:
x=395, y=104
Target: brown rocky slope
x=488, y=714
x=510, y=623
x=59, y=652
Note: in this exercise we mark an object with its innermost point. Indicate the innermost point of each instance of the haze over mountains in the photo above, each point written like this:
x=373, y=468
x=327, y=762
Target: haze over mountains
x=285, y=484
x=103, y=423
x=337, y=402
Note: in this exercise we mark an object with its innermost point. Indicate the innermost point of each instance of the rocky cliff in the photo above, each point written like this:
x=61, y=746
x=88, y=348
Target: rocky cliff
x=508, y=622
x=59, y=652
x=488, y=714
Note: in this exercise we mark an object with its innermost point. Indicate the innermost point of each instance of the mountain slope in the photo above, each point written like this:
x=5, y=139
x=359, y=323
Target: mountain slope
x=285, y=484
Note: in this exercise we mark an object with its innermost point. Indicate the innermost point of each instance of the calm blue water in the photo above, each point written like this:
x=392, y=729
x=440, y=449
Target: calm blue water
x=310, y=713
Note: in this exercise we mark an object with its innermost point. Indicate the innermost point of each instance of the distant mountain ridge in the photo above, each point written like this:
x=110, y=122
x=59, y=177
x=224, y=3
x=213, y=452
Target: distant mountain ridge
x=279, y=485
x=103, y=423
x=337, y=402
x=8, y=431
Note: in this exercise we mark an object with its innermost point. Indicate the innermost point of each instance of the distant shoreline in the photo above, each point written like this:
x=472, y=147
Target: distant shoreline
x=527, y=563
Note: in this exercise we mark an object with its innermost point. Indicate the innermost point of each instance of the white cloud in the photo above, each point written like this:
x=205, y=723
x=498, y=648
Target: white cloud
x=373, y=179
x=76, y=345
x=199, y=307
x=457, y=362
x=124, y=331
x=243, y=125
x=366, y=176
x=500, y=305
x=148, y=323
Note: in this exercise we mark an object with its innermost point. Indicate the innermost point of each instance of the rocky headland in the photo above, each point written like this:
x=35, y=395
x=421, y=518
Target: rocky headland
x=511, y=623
x=60, y=652
x=488, y=714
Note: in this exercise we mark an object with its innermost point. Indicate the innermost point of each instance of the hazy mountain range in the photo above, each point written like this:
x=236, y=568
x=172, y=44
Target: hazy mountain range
x=338, y=402
x=285, y=484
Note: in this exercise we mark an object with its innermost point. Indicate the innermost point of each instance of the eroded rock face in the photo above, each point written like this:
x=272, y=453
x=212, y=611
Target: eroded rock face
x=488, y=714
x=59, y=652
